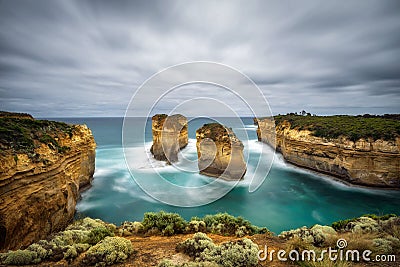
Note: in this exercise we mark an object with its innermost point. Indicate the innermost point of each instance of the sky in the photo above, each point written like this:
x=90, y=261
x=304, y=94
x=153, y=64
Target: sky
x=89, y=58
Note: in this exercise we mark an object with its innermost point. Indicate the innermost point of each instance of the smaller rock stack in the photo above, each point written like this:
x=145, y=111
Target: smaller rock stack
x=170, y=134
x=220, y=152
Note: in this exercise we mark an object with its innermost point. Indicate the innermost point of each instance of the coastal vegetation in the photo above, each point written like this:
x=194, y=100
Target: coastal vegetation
x=201, y=248
x=386, y=127
x=68, y=244
x=94, y=242
x=22, y=134
x=168, y=224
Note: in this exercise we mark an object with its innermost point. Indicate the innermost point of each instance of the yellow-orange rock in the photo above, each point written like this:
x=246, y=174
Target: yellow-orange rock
x=364, y=162
x=39, y=190
x=170, y=134
x=220, y=152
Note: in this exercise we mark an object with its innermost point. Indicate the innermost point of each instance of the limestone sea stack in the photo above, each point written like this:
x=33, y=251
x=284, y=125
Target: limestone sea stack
x=170, y=134
x=43, y=165
x=220, y=152
x=364, y=161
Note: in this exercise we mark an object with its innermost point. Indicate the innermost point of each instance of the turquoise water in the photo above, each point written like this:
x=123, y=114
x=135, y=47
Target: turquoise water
x=289, y=197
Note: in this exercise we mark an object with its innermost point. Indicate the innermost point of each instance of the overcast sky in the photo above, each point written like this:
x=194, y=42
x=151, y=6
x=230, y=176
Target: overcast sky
x=87, y=58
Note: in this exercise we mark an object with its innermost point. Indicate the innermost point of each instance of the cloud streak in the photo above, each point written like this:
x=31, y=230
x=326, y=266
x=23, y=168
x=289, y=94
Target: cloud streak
x=87, y=58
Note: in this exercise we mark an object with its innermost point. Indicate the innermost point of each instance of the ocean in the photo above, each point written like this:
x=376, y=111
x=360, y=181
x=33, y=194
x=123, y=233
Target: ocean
x=288, y=198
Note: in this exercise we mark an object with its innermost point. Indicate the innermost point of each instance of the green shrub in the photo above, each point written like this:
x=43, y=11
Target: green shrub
x=172, y=223
x=195, y=226
x=201, y=264
x=167, y=223
x=341, y=225
x=68, y=244
x=41, y=252
x=90, y=224
x=130, y=228
x=240, y=253
x=225, y=224
x=21, y=257
x=97, y=234
x=195, y=246
x=380, y=218
x=167, y=263
x=317, y=235
x=109, y=251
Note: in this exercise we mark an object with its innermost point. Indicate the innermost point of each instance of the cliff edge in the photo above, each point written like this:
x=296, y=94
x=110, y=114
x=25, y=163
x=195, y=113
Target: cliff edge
x=366, y=161
x=220, y=152
x=43, y=165
x=170, y=134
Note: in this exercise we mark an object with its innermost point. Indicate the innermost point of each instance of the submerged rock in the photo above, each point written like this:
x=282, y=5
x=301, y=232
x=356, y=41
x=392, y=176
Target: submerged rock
x=220, y=152
x=170, y=134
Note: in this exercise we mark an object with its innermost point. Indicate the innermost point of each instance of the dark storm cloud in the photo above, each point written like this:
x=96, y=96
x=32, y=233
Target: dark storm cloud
x=87, y=58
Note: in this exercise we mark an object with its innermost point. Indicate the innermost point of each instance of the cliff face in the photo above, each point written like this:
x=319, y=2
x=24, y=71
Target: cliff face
x=220, y=152
x=364, y=162
x=40, y=177
x=170, y=134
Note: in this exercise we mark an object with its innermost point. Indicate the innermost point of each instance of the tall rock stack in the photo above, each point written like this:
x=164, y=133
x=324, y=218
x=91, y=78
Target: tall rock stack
x=220, y=152
x=43, y=165
x=170, y=134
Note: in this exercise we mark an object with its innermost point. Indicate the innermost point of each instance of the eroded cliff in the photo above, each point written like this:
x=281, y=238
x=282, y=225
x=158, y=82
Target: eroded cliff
x=170, y=134
x=364, y=161
x=43, y=165
x=220, y=152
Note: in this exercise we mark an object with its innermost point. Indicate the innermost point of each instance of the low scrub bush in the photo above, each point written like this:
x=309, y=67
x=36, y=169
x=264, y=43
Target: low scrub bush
x=240, y=253
x=172, y=223
x=341, y=225
x=109, y=251
x=225, y=224
x=130, y=228
x=20, y=257
x=168, y=263
x=195, y=226
x=166, y=223
x=68, y=244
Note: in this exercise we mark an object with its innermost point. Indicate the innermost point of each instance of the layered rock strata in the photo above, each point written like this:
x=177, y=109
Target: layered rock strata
x=170, y=134
x=220, y=152
x=43, y=165
x=363, y=162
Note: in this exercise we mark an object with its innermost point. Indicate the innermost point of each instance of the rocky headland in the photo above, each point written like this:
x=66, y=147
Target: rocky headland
x=220, y=152
x=357, y=150
x=170, y=134
x=43, y=166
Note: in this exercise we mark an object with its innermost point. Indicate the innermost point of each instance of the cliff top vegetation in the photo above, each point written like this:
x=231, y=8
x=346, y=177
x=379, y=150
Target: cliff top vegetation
x=22, y=134
x=386, y=127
